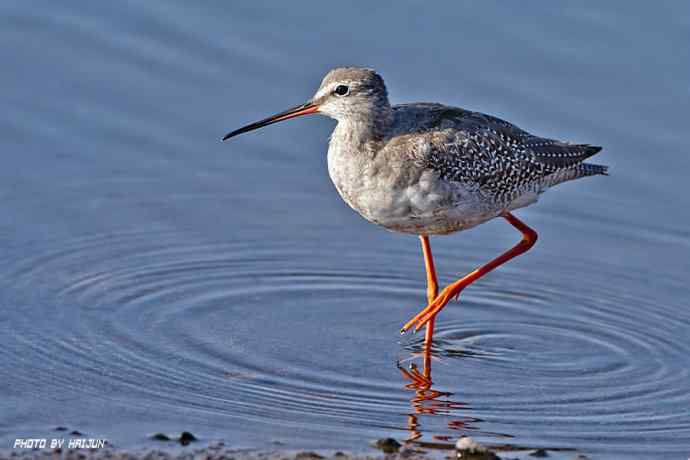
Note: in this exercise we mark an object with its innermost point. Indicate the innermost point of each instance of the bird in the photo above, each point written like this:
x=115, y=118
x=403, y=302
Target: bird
x=432, y=169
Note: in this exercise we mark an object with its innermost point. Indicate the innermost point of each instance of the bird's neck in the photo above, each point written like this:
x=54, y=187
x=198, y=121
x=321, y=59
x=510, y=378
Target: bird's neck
x=359, y=132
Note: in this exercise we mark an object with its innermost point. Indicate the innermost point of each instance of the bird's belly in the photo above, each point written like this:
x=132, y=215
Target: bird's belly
x=421, y=205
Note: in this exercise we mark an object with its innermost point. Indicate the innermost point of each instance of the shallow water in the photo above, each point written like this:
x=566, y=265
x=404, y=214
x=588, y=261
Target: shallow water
x=155, y=280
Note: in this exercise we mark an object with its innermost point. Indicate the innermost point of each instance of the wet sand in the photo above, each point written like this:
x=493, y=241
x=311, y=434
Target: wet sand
x=387, y=449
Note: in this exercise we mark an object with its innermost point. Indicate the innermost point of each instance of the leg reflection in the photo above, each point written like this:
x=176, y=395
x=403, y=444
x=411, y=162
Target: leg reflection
x=430, y=402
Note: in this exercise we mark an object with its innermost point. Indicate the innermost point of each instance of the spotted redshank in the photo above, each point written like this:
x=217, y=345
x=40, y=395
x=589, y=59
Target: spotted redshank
x=431, y=169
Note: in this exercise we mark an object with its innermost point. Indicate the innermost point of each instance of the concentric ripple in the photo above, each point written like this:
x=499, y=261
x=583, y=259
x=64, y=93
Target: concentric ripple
x=258, y=337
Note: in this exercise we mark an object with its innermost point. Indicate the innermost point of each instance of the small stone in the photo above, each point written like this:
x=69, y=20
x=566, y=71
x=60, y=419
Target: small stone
x=470, y=449
x=539, y=453
x=75, y=433
x=387, y=445
x=470, y=445
x=61, y=428
x=308, y=456
x=186, y=437
x=160, y=437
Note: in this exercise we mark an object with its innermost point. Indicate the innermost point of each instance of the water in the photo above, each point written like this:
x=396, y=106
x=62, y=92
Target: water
x=156, y=280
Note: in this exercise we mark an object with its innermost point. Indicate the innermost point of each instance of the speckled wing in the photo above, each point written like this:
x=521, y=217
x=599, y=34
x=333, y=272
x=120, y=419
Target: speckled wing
x=498, y=158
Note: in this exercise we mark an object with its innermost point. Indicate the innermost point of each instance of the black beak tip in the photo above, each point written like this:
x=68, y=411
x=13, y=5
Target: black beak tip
x=303, y=109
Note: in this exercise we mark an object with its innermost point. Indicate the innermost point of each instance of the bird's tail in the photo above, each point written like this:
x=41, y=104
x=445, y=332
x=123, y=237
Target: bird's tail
x=590, y=169
x=575, y=172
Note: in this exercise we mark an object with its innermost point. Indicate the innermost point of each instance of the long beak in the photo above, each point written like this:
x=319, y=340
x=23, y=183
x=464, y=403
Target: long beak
x=304, y=109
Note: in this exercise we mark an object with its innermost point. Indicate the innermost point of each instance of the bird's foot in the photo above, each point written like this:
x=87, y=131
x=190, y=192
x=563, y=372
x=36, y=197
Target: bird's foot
x=431, y=310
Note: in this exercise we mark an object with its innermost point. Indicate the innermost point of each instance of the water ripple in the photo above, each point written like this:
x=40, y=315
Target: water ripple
x=260, y=332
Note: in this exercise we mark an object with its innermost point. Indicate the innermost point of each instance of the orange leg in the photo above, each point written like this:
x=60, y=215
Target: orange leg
x=426, y=316
x=431, y=288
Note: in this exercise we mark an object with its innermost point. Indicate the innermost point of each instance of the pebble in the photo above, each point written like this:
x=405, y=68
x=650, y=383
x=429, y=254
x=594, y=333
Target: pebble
x=469, y=449
x=387, y=445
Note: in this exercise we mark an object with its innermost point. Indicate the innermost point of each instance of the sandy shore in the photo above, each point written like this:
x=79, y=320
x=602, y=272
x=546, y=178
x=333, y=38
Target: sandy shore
x=220, y=452
x=206, y=453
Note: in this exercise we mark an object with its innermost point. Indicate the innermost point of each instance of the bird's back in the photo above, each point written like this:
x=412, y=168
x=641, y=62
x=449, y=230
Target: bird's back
x=484, y=153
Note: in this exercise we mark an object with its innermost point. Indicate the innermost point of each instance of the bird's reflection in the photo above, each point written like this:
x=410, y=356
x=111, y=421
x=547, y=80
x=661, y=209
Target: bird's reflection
x=429, y=402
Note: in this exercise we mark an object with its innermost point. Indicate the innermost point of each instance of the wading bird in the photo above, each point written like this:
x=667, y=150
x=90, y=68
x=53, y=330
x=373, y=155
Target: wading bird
x=431, y=169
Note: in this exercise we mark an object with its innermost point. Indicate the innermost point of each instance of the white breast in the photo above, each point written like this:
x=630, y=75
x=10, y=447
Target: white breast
x=406, y=201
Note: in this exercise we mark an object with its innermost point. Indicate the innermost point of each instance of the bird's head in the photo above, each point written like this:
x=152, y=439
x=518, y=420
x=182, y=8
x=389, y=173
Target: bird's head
x=346, y=93
x=351, y=93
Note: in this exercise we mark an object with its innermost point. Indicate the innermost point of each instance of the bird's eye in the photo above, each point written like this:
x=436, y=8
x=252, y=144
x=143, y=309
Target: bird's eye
x=341, y=90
